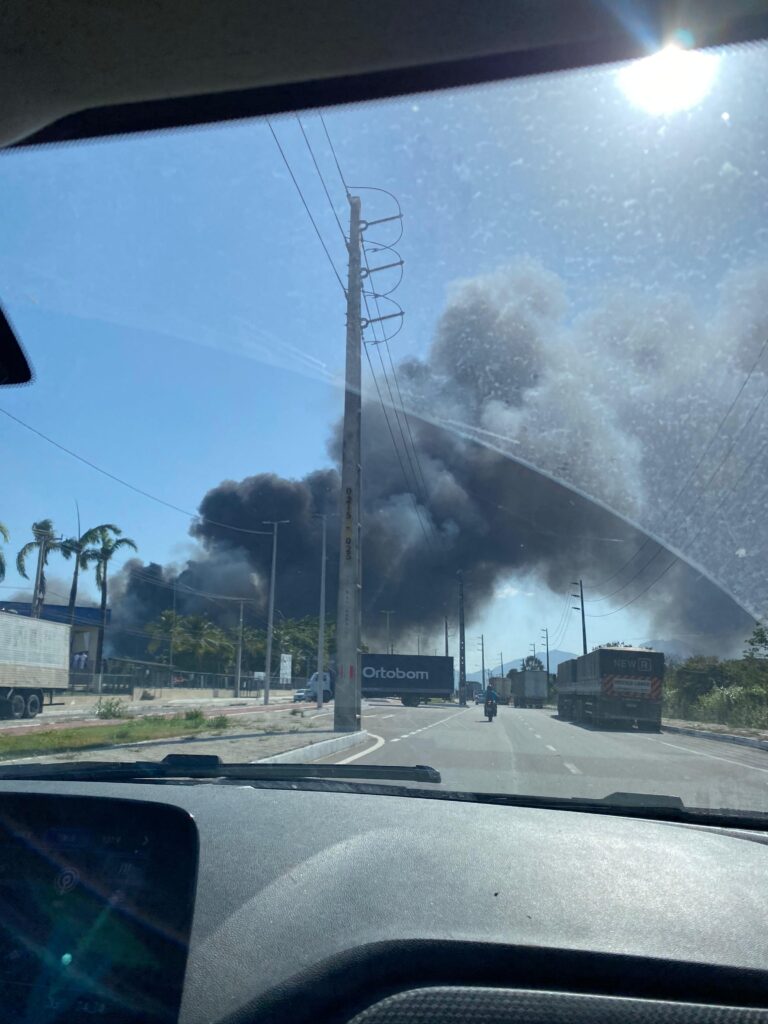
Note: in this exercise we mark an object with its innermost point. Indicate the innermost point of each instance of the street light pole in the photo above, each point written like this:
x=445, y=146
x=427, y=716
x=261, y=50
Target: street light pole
x=388, y=614
x=274, y=523
x=239, y=668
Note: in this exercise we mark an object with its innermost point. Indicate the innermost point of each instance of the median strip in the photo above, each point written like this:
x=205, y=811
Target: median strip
x=119, y=732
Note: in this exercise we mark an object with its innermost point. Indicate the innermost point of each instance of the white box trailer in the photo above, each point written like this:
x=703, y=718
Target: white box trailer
x=529, y=688
x=34, y=661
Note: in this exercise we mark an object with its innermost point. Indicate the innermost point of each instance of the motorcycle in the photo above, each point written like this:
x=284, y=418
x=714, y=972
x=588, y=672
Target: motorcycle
x=490, y=709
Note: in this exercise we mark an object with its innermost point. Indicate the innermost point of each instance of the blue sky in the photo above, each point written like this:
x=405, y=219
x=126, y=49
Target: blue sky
x=186, y=328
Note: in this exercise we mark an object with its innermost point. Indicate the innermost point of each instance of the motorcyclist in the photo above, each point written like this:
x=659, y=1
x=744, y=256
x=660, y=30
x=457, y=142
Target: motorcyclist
x=491, y=696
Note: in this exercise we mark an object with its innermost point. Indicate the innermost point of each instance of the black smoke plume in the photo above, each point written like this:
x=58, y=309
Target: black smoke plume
x=616, y=408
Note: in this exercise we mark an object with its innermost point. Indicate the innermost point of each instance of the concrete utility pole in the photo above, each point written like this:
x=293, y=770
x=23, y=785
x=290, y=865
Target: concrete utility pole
x=482, y=658
x=533, y=648
x=501, y=659
x=545, y=636
x=321, y=623
x=462, y=647
x=347, y=711
x=389, y=615
x=239, y=666
x=446, y=637
x=580, y=597
x=271, y=610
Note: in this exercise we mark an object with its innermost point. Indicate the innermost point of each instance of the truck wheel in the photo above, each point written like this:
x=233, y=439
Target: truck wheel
x=16, y=706
x=33, y=705
x=326, y=696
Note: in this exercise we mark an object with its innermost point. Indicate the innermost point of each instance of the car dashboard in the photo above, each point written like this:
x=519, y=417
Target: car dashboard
x=240, y=903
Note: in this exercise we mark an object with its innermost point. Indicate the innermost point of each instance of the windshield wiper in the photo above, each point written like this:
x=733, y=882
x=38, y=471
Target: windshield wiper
x=209, y=766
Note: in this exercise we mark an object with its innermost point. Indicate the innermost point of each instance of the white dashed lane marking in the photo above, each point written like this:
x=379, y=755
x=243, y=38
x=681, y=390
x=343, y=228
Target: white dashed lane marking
x=571, y=768
x=551, y=748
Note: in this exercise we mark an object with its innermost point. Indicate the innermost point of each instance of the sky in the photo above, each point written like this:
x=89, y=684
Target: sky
x=185, y=325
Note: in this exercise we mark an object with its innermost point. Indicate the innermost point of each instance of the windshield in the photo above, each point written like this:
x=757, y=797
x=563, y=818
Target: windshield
x=556, y=289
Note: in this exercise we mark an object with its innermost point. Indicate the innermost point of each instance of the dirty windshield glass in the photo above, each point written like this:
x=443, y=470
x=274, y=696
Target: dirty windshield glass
x=435, y=427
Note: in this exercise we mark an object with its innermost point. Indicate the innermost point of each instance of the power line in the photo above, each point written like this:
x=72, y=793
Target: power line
x=645, y=590
x=394, y=444
x=306, y=206
x=333, y=151
x=416, y=475
x=375, y=296
x=322, y=179
x=125, y=483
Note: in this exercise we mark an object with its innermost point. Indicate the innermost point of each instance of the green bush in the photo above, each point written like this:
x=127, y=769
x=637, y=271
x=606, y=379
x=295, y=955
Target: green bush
x=111, y=707
x=218, y=722
x=194, y=715
x=733, y=705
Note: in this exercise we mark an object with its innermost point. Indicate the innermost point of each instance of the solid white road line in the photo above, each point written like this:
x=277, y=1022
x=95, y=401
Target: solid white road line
x=362, y=753
x=714, y=757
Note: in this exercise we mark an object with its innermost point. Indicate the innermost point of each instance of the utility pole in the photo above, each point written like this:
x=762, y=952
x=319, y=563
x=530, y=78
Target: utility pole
x=580, y=597
x=239, y=667
x=533, y=648
x=545, y=635
x=501, y=659
x=321, y=624
x=388, y=614
x=446, y=637
x=274, y=523
x=347, y=710
x=482, y=659
x=462, y=647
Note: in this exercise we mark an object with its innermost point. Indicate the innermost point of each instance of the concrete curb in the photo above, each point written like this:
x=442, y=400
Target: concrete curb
x=722, y=737
x=314, y=751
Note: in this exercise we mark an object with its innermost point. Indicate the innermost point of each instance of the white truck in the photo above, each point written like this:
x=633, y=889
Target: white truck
x=34, y=660
x=529, y=688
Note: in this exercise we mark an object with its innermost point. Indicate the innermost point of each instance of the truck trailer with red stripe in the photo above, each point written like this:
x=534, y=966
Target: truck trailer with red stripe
x=612, y=686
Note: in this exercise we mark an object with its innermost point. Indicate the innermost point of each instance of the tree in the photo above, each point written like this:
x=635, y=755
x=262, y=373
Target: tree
x=198, y=644
x=77, y=546
x=44, y=543
x=6, y=537
x=532, y=664
x=107, y=544
x=757, y=645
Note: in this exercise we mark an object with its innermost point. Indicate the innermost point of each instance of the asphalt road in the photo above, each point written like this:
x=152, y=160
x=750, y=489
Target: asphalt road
x=533, y=752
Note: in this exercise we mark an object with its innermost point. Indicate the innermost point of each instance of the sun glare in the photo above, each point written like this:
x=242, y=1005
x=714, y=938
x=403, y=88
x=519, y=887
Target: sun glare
x=671, y=80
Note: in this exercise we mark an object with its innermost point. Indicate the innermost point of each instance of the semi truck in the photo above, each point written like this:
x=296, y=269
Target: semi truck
x=612, y=686
x=529, y=688
x=411, y=678
x=34, y=661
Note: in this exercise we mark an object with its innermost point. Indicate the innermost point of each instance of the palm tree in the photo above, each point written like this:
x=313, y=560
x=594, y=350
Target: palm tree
x=6, y=537
x=108, y=543
x=76, y=546
x=44, y=543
